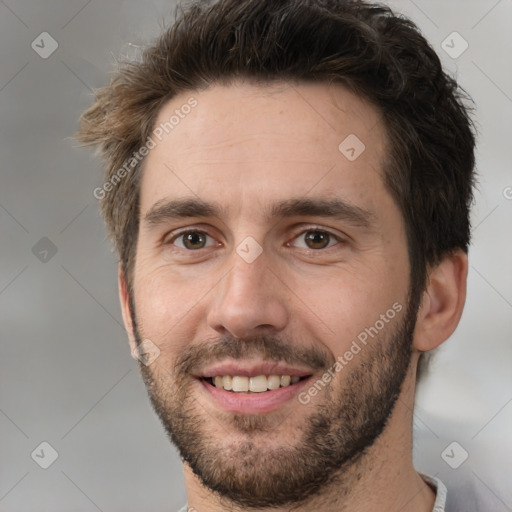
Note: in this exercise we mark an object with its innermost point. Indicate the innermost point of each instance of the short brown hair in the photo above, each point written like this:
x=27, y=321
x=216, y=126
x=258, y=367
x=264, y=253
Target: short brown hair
x=366, y=47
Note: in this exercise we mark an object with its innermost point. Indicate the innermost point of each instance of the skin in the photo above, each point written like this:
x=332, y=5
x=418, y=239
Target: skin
x=246, y=147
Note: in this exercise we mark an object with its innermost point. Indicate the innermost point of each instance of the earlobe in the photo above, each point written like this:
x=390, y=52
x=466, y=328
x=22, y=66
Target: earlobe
x=124, y=299
x=442, y=302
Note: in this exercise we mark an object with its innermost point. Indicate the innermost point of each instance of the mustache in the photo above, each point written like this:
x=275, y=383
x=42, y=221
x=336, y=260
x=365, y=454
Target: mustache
x=267, y=348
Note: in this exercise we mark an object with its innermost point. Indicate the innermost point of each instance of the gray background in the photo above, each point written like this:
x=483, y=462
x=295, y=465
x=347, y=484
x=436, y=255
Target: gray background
x=67, y=376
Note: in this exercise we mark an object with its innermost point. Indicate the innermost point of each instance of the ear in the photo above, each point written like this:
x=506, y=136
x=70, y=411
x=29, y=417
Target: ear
x=442, y=302
x=124, y=298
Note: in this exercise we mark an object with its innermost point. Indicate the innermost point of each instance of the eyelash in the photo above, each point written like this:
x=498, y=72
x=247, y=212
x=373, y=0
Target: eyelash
x=171, y=241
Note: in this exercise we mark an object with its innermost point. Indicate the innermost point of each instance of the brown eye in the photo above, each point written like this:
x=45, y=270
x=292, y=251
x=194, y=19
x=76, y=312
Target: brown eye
x=315, y=239
x=191, y=240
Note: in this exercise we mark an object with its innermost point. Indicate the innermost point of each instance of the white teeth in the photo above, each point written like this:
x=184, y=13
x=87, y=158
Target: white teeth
x=256, y=384
x=227, y=382
x=285, y=380
x=241, y=384
x=273, y=382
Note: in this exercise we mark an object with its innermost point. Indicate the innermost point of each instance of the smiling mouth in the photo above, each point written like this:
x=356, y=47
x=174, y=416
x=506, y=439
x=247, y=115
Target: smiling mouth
x=256, y=384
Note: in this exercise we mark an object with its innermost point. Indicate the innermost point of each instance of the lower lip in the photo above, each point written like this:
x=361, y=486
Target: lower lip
x=253, y=403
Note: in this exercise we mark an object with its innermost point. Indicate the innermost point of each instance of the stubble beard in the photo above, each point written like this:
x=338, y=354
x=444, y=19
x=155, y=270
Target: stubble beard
x=233, y=457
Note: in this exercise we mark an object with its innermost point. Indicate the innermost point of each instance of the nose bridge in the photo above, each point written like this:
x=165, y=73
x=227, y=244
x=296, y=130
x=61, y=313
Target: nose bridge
x=249, y=297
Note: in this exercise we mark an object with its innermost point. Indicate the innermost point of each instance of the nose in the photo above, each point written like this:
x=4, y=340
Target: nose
x=250, y=300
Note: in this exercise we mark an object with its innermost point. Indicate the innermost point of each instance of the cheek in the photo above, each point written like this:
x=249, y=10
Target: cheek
x=167, y=306
x=342, y=304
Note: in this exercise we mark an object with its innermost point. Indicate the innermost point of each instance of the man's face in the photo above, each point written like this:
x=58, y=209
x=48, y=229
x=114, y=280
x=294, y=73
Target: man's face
x=300, y=261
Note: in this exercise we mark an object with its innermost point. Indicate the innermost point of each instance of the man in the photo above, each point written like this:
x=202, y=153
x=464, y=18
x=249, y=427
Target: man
x=288, y=186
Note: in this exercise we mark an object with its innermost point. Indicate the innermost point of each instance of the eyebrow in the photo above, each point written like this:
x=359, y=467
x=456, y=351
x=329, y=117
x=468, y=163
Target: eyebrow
x=338, y=209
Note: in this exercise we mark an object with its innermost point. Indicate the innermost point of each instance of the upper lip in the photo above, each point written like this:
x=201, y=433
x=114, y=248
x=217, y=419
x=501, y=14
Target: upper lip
x=251, y=369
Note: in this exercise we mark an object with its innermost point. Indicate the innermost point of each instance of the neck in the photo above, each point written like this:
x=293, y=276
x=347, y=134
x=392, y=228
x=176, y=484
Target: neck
x=383, y=478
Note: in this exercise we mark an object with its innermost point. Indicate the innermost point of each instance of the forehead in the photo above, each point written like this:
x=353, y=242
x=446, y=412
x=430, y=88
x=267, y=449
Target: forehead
x=265, y=142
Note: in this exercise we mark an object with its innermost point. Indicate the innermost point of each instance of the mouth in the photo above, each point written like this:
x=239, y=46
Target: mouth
x=255, y=384
x=251, y=386
x=257, y=394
